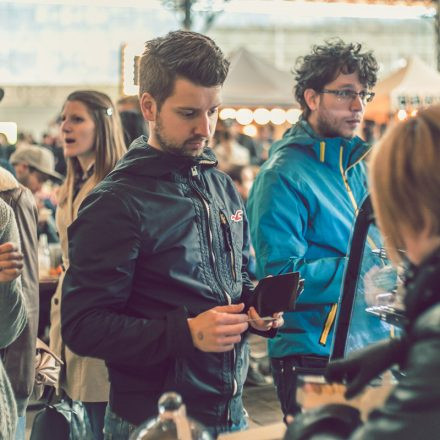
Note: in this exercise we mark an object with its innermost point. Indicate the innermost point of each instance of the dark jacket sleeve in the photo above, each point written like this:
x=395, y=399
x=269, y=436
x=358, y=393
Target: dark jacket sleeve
x=413, y=408
x=104, y=244
x=19, y=357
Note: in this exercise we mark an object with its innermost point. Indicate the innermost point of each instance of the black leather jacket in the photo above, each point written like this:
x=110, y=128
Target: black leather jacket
x=412, y=410
x=161, y=239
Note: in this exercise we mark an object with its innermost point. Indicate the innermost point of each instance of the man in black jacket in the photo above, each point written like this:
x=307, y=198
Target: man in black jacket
x=157, y=284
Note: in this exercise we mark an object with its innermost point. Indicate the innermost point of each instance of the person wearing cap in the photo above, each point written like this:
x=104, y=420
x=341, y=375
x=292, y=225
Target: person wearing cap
x=34, y=165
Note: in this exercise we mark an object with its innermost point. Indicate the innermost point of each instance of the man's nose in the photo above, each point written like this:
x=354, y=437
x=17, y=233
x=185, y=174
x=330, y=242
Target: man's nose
x=357, y=104
x=203, y=127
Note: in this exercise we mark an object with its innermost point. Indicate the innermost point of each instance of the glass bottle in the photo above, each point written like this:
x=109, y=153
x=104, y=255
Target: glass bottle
x=43, y=257
x=172, y=423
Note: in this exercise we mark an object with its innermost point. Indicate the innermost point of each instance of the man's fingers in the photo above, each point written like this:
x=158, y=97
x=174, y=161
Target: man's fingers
x=229, y=318
x=231, y=330
x=231, y=308
x=5, y=265
x=11, y=256
x=8, y=247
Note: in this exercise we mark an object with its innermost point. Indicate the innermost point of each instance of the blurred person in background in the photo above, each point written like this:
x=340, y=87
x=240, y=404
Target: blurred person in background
x=304, y=202
x=93, y=142
x=52, y=142
x=243, y=177
x=228, y=150
x=12, y=312
x=133, y=124
x=19, y=357
x=6, y=149
x=35, y=165
x=258, y=373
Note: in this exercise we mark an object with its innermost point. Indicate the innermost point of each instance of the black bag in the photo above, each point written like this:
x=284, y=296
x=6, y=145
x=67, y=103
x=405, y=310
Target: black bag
x=66, y=420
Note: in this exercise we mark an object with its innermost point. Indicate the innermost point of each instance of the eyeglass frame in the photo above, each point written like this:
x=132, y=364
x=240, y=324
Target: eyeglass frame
x=347, y=95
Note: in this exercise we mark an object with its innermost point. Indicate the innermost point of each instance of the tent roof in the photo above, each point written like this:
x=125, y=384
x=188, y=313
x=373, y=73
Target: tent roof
x=254, y=82
x=417, y=80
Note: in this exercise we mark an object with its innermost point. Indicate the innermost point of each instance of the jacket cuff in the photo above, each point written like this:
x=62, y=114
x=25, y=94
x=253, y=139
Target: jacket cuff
x=267, y=334
x=179, y=339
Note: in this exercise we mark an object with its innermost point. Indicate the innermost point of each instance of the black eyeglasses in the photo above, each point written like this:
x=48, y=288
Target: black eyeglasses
x=350, y=95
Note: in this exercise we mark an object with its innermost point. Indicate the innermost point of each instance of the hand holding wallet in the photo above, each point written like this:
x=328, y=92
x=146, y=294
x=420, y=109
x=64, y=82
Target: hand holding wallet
x=277, y=293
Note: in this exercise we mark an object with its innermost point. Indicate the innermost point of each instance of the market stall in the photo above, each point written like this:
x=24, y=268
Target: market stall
x=414, y=86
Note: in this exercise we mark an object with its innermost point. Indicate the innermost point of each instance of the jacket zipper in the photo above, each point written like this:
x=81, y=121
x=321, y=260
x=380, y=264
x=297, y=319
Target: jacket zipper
x=333, y=309
x=328, y=324
x=228, y=242
x=205, y=203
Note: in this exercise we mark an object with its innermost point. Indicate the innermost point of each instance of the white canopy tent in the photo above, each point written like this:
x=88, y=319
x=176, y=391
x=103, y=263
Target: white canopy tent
x=417, y=84
x=253, y=82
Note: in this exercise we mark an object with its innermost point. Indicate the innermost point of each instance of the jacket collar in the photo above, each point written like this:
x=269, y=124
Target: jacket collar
x=7, y=180
x=326, y=150
x=143, y=159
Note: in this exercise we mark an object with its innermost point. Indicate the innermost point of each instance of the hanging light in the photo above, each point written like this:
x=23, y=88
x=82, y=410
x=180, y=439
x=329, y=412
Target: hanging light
x=244, y=116
x=227, y=113
x=277, y=116
x=261, y=116
x=292, y=115
x=402, y=115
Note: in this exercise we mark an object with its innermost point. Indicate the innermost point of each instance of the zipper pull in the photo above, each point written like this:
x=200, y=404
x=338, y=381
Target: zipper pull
x=194, y=171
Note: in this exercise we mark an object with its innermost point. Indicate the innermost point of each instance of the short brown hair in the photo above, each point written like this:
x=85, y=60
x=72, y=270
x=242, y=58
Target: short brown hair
x=405, y=181
x=186, y=54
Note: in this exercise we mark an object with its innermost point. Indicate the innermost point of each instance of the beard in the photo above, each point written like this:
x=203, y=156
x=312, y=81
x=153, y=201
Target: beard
x=184, y=149
x=330, y=127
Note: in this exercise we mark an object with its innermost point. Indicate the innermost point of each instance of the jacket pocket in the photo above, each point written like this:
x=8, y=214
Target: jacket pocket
x=229, y=246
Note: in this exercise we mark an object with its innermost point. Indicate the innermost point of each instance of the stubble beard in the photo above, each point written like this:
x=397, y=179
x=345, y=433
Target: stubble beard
x=173, y=148
x=328, y=127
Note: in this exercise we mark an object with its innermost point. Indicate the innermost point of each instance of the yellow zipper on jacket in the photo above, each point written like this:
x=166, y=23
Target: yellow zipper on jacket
x=328, y=324
x=333, y=309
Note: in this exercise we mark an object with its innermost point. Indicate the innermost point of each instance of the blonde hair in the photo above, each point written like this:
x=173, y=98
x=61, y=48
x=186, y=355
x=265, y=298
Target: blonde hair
x=109, y=139
x=405, y=179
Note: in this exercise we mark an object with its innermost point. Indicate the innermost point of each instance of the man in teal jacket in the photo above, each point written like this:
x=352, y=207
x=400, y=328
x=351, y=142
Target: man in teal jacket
x=304, y=202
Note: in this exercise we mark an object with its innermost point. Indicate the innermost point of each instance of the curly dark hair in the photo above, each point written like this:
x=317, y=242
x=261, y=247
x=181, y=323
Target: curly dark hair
x=326, y=62
x=185, y=54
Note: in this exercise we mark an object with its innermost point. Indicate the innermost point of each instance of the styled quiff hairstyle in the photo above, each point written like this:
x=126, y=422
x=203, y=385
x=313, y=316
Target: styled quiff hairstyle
x=109, y=143
x=327, y=62
x=405, y=179
x=185, y=54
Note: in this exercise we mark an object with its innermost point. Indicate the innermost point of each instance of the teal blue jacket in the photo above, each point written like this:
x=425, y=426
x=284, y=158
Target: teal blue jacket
x=301, y=210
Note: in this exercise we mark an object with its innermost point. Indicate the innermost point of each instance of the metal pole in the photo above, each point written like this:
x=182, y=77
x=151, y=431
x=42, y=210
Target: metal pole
x=187, y=21
x=437, y=34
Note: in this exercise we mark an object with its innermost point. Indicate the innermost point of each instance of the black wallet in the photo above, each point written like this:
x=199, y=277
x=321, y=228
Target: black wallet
x=277, y=293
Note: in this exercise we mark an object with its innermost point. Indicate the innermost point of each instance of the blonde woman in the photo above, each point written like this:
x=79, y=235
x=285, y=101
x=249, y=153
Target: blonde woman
x=93, y=142
x=405, y=190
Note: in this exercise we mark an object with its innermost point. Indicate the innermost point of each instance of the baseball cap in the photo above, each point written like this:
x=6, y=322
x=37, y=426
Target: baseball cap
x=39, y=158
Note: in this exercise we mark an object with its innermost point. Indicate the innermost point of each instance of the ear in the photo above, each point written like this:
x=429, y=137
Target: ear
x=312, y=98
x=148, y=107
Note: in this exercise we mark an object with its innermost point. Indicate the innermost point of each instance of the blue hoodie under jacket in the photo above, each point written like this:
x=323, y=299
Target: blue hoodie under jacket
x=302, y=208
